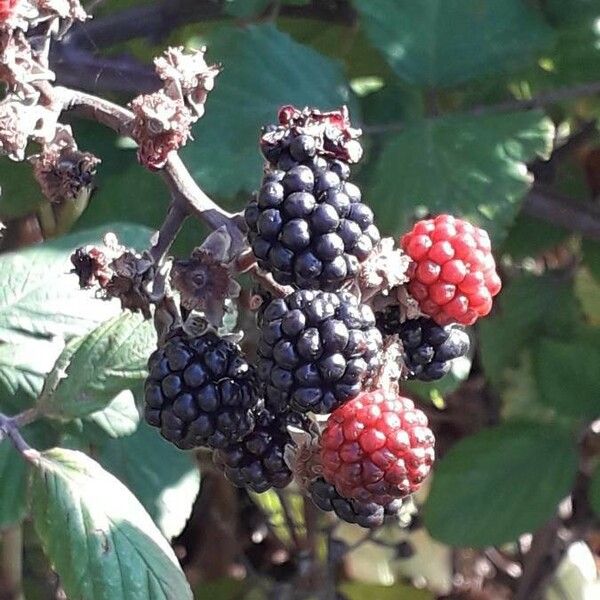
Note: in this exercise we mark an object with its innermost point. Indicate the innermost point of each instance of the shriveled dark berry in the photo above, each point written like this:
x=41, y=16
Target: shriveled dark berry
x=200, y=391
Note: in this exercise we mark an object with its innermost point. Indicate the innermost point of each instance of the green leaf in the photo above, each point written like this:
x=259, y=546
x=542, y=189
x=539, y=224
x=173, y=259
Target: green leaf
x=359, y=591
x=500, y=483
x=165, y=480
x=20, y=194
x=465, y=165
x=14, y=473
x=40, y=297
x=594, y=491
x=529, y=236
x=567, y=376
x=263, y=69
x=445, y=42
x=107, y=361
x=591, y=257
x=566, y=12
x=524, y=313
x=119, y=418
x=101, y=541
x=242, y=9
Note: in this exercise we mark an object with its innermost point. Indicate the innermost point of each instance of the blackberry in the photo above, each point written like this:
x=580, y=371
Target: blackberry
x=368, y=515
x=200, y=391
x=307, y=224
x=257, y=462
x=316, y=350
x=428, y=347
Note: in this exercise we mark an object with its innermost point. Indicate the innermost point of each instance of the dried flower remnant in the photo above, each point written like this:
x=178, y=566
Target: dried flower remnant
x=161, y=125
x=187, y=77
x=62, y=171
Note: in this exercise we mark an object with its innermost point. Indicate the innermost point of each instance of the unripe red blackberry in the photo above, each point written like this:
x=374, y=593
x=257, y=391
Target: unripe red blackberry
x=369, y=515
x=200, y=391
x=257, y=462
x=453, y=274
x=428, y=348
x=316, y=350
x=376, y=448
x=307, y=224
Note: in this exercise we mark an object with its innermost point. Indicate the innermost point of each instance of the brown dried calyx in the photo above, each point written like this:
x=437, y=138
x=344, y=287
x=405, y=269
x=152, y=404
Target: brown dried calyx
x=163, y=120
x=119, y=272
x=332, y=131
x=62, y=171
x=206, y=280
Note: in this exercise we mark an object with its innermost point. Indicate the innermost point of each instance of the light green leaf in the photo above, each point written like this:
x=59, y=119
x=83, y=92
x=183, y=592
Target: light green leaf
x=566, y=372
x=107, y=361
x=119, y=418
x=445, y=42
x=263, y=69
x=165, y=480
x=360, y=591
x=526, y=310
x=40, y=297
x=500, y=483
x=99, y=538
x=465, y=165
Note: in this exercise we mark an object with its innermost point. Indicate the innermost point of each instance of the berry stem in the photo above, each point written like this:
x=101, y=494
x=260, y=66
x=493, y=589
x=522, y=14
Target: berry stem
x=11, y=562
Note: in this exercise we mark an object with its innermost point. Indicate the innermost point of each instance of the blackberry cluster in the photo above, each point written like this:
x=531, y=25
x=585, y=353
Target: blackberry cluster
x=368, y=515
x=428, y=348
x=257, y=462
x=200, y=391
x=307, y=224
x=317, y=350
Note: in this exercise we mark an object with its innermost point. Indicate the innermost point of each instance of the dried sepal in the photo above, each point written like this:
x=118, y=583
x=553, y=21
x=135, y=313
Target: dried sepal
x=302, y=456
x=62, y=171
x=70, y=10
x=118, y=272
x=161, y=125
x=332, y=132
x=206, y=280
x=17, y=14
x=385, y=269
x=187, y=77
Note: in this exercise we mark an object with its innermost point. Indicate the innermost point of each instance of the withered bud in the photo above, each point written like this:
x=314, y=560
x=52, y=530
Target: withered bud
x=161, y=125
x=206, y=279
x=385, y=269
x=64, y=9
x=62, y=170
x=187, y=77
x=332, y=131
x=16, y=14
x=120, y=273
x=91, y=265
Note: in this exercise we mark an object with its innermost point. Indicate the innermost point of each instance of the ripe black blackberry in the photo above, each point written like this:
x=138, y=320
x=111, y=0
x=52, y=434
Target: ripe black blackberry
x=257, y=462
x=370, y=515
x=200, y=391
x=316, y=350
x=428, y=347
x=307, y=224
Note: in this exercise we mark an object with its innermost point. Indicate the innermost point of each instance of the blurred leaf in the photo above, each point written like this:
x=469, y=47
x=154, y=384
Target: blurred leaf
x=587, y=290
x=19, y=192
x=594, y=491
x=107, y=361
x=220, y=589
x=563, y=12
x=165, y=480
x=99, y=538
x=360, y=591
x=576, y=577
x=529, y=236
x=14, y=472
x=523, y=314
x=270, y=504
x=245, y=8
x=40, y=297
x=465, y=165
x=445, y=42
x=500, y=483
x=591, y=257
x=262, y=70
x=566, y=374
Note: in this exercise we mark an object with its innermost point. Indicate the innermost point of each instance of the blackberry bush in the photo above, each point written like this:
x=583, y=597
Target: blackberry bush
x=316, y=350
x=200, y=391
x=307, y=224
